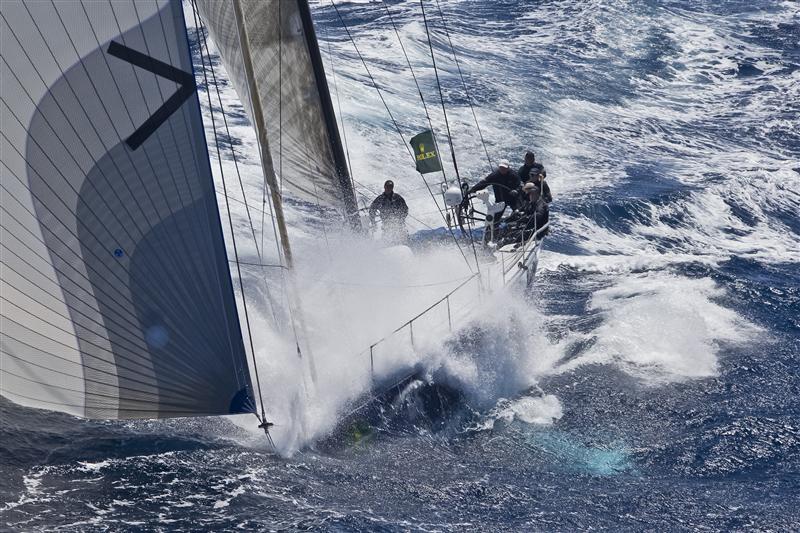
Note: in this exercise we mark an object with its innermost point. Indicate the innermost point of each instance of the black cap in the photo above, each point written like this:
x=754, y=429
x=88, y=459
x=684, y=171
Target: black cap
x=530, y=154
x=388, y=183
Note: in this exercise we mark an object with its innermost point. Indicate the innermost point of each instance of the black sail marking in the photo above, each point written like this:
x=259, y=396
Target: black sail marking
x=184, y=79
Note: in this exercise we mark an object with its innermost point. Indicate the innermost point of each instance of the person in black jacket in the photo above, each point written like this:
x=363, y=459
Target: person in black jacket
x=537, y=208
x=542, y=188
x=393, y=210
x=530, y=168
x=534, y=214
x=504, y=181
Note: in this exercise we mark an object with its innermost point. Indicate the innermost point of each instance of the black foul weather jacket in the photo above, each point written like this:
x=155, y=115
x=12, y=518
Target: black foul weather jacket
x=525, y=171
x=393, y=207
x=542, y=191
x=506, y=183
x=537, y=213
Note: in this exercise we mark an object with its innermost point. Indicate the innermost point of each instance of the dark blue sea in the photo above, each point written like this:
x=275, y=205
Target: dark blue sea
x=652, y=381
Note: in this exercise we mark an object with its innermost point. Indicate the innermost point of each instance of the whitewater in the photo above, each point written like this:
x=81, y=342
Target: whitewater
x=650, y=382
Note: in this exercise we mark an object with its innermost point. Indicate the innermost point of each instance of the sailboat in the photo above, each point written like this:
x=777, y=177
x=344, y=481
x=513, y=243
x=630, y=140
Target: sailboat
x=117, y=295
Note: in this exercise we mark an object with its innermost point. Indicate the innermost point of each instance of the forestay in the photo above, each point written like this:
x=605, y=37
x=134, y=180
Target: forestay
x=303, y=139
x=116, y=295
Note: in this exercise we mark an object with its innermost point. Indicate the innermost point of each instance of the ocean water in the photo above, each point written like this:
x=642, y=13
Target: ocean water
x=651, y=383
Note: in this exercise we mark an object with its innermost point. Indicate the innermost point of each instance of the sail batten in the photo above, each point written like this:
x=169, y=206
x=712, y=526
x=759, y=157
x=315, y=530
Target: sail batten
x=116, y=295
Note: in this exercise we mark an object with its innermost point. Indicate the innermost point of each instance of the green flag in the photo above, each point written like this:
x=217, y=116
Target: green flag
x=425, y=153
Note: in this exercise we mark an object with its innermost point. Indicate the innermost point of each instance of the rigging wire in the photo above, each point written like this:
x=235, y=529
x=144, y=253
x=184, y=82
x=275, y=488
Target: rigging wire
x=384, y=286
x=416, y=82
x=259, y=251
x=263, y=418
x=237, y=200
x=263, y=210
x=284, y=254
x=261, y=265
x=441, y=95
x=280, y=178
x=280, y=97
x=397, y=128
x=447, y=125
x=371, y=78
x=430, y=122
x=427, y=114
x=320, y=210
x=464, y=84
x=339, y=105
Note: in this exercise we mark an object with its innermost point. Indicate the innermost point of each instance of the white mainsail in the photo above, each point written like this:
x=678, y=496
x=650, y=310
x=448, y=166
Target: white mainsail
x=116, y=294
x=304, y=151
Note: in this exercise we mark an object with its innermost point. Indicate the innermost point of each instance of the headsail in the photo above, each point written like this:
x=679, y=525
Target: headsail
x=116, y=294
x=292, y=94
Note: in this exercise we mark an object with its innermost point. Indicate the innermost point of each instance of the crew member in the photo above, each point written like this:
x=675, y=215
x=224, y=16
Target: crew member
x=393, y=210
x=531, y=167
x=543, y=189
x=537, y=210
x=505, y=182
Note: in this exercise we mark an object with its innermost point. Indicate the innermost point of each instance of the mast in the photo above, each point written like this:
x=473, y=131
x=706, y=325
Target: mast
x=345, y=181
x=261, y=130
